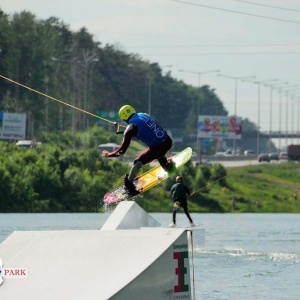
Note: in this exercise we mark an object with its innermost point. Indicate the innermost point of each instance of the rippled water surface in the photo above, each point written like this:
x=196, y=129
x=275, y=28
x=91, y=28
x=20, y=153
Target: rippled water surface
x=245, y=256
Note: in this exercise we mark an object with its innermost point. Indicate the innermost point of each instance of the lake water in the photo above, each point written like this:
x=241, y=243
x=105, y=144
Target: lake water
x=245, y=256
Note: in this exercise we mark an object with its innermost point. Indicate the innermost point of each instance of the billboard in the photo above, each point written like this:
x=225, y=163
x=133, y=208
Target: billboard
x=12, y=126
x=221, y=127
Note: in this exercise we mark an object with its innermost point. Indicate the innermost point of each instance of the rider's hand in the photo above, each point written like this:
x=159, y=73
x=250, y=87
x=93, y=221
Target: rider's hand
x=105, y=153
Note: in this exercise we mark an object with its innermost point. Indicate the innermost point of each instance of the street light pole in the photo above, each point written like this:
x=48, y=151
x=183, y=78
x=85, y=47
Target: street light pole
x=292, y=113
x=292, y=120
x=87, y=58
x=46, y=81
x=271, y=110
x=280, y=105
x=287, y=113
x=149, y=96
x=258, y=111
x=150, y=88
x=235, y=96
x=258, y=121
x=199, y=140
x=73, y=63
x=298, y=120
x=280, y=111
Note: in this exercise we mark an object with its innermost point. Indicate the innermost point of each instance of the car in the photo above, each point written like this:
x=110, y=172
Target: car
x=28, y=143
x=273, y=156
x=283, y=155
x=219, y=154
x=194, y=154
x=249, y=153
x=263, y=157
x=229, y=152
x=110, y=147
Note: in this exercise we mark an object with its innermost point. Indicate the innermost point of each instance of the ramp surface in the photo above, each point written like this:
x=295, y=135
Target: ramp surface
x=89, y=264
x=139, y=260
x=129, y=215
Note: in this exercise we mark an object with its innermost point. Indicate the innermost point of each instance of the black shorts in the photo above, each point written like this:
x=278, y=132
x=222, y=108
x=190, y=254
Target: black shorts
x=155, y=152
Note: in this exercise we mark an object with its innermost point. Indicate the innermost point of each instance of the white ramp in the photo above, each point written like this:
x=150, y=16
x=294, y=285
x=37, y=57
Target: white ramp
x=150, y=263
x=129, y=215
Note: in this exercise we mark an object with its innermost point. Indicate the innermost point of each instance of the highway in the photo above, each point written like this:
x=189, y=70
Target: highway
x=232, y=162
x=228, y=162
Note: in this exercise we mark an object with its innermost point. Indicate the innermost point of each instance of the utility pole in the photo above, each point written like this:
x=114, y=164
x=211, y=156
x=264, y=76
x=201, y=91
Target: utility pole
x=199, y=140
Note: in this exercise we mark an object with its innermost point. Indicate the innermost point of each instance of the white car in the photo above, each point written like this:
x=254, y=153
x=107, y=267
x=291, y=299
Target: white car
x=249, y=153
x=283, y=155
x=219, y=154
x=28, y=143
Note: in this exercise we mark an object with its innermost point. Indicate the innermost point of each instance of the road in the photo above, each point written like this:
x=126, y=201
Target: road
x=244, y=162
x=229, y=162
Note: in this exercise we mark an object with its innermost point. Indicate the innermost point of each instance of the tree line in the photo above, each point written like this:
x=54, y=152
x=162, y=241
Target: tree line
x=55, y=178
x=47, y=56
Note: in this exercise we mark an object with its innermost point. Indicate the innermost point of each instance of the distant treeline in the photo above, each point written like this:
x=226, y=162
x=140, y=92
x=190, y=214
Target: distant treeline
x=47, y=56
x=53, y=178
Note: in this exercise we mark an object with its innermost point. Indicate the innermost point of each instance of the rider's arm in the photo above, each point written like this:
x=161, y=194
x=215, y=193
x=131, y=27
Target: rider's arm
x=129, y=133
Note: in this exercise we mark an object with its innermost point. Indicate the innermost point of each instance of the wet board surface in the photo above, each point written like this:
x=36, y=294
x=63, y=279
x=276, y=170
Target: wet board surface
x=149, y=179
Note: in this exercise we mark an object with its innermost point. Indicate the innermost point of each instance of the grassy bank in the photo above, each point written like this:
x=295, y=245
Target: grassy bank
x=264, y=188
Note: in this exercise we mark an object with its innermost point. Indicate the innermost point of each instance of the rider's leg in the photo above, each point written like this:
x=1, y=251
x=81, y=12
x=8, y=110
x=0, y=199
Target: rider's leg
x=137, y=164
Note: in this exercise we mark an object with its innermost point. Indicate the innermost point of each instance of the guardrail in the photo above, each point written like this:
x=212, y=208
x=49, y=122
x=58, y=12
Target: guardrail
x=205, y=157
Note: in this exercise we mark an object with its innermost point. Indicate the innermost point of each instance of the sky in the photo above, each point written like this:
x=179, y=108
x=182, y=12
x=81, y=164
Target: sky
x=235, y=47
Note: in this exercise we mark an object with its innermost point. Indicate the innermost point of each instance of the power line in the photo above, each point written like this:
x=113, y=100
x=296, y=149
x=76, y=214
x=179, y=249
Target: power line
x=224, y=53
x=237, y=12
x=218, y=46
x=271, y=6
x=194, y=38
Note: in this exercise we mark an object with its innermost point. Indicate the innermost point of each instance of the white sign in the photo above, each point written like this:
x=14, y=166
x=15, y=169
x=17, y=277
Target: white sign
x=12, y=126
x=219, y=127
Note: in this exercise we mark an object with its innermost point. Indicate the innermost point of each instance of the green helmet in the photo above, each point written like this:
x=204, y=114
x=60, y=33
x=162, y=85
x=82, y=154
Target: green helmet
x=126, y=112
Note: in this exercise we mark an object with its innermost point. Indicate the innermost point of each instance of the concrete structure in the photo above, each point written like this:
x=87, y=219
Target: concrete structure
x=123, y=260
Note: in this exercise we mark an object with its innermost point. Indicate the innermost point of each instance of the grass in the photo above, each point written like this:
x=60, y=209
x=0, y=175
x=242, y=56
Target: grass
x=264, y=188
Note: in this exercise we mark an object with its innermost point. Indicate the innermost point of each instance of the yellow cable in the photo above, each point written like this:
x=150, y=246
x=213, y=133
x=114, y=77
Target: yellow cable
x=60, y=101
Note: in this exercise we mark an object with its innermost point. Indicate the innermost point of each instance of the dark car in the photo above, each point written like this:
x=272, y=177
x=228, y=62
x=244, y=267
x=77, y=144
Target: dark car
x=273, y=156
x=263, y=157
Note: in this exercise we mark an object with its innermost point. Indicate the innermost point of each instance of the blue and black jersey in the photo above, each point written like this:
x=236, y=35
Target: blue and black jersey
x=148, y=131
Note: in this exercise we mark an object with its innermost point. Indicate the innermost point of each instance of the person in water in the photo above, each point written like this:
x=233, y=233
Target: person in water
x=141, y=126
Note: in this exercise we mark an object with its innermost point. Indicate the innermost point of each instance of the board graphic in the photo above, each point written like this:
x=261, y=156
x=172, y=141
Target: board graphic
x=149, y=179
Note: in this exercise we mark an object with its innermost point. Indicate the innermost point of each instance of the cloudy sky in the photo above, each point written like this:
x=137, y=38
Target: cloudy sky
x=258, y=38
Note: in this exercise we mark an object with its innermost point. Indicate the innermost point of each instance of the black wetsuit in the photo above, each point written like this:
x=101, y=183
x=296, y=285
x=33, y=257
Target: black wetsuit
x=179, y=191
